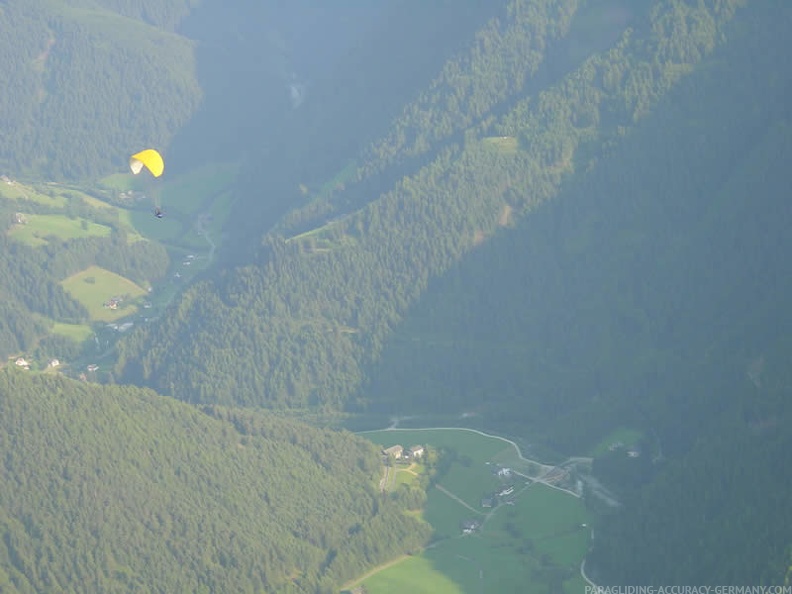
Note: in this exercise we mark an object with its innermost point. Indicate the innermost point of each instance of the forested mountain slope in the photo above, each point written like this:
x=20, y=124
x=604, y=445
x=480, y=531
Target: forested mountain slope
x=579, y=223
x=302, y=326
x=115, y=489
x=652, y=293
x=644, y=271
x=88, y=79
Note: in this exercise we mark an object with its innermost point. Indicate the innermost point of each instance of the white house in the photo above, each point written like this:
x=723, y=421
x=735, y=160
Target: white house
x=506, y=491
x=395, y=451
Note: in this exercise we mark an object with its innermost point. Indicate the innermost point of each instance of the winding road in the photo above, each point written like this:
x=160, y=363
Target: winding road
x=546, y=469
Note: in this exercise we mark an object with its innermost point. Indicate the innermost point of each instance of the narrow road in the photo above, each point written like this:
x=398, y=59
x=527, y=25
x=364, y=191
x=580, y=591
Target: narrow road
x=585, y=577
x=442, y=489
x=202, y=231
x=384, y=480
x=377, y=569
x=545, y=470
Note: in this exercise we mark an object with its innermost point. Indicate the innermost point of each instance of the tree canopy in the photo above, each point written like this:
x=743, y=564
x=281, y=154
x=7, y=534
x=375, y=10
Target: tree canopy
x=117, y=489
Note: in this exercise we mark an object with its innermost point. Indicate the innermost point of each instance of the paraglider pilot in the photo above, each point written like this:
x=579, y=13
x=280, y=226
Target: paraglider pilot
x=159, y=213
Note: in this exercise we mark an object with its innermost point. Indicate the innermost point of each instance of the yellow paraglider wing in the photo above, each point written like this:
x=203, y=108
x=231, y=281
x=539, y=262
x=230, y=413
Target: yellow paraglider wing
x=151, y=159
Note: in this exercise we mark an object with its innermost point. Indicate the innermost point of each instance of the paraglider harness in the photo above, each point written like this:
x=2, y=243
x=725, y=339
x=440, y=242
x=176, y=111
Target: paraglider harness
x=159, y=213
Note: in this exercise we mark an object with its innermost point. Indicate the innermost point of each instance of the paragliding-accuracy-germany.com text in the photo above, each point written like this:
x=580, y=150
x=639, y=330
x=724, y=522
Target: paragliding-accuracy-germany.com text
x=688, y=589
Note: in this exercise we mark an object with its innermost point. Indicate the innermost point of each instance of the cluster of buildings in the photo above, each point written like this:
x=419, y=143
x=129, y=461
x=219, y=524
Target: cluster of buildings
x=25, y=364
x=398, y=452
x=505, y=474
x=112, y=303
x=470, y=526
x=493, y=499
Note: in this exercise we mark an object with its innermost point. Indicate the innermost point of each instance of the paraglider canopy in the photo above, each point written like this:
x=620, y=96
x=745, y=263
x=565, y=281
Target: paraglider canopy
x=151, y=159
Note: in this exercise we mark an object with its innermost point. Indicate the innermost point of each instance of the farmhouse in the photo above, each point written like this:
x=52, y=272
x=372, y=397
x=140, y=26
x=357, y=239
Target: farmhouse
x=470, y=526
x=396, y=451
x=22, y=362
x=54, y=363
x=416, y=451
x=487, y=502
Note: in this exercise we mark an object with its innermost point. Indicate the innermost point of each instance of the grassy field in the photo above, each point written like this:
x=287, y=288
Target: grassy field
x=125, y=221
x=122, y=182
x=538, y=539
x=504, y=144
x=338, y=180
x=77, y=332
x=20, y=192
x=479, y=448
x=94, y=286
x=94, y=202
x=407, y=475
x=193, y=192
x=416, y=575
x=200, y=204
x=166, y=230
x=473, y=451
x=445, y=514
x=511, y=458
x=39, y=226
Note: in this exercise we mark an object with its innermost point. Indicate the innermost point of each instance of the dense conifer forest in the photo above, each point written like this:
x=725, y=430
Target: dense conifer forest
x=117, y=489
x=377, y=261
x=559, y=217
x=87, y=80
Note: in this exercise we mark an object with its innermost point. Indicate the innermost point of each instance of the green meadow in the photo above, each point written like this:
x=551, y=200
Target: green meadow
x=19, y=192
x=407, y=476
x=40, y=226
x=504, y=144
x=94, y=286
x=166, y=230
x=77, y=332
x=93, y=202
x=197, y=206
x=336, y=182
x=445, y=514
x=190, y=193
x=478, y=447
x=125, y=221
x=118, y=181
x=416, y=575
x=534, y=543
